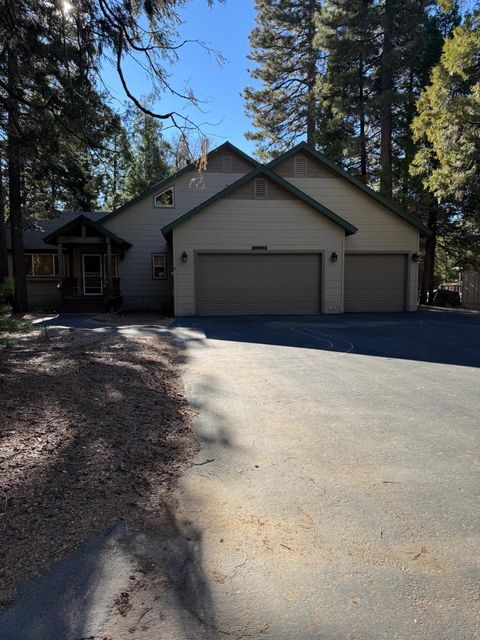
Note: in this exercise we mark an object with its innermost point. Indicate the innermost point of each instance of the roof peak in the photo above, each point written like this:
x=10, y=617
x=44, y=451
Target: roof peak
x=386, y=202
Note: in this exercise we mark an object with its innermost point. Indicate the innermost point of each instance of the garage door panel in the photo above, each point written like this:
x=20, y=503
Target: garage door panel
x=375, y=282
x=235, y=284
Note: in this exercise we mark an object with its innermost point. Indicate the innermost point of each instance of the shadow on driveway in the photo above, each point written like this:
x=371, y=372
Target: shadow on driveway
x=448, y=337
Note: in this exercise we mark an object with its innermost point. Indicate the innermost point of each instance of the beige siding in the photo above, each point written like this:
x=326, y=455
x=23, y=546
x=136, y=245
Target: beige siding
x=273, y=191
x=141, y=225
x=238, y=164
x=471, y=288
x=42, y=292
x=237, y=225
x=314, y=169
x=379, y=229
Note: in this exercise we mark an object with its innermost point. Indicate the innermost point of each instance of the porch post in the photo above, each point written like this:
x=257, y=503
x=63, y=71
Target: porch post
x=109, y=267
x=60, y=259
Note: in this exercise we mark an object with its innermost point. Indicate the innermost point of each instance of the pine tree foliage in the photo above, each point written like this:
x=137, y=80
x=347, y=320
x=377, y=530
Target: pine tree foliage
x=50, y=70
x=447, y=126
x=348, y=35
x=139, y=157
x=282, y=103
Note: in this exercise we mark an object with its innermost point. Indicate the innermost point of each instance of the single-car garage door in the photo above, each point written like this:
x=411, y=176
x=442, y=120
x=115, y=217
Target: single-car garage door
x=238, y=284
x=375, y=282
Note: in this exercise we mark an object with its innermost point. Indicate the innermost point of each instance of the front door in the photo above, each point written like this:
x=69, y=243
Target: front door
x=92, y=274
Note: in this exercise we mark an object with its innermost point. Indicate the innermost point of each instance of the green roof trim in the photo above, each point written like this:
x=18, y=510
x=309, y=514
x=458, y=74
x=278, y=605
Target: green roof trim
x=261, y=170
x=166, y=181
x=52, y=238
x=395, y=208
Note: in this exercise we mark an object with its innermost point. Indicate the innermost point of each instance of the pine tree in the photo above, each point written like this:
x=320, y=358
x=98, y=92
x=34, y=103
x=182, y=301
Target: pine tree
x=149, y=155
x=287, y=62
x=347, y=32
x=50, y=63
x=447, y=127
x=447, y=132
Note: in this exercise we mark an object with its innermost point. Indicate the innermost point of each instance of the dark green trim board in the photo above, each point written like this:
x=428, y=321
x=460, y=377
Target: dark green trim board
x=392, y=206
x=190, y=167
x=261, y=170
x=52, y=238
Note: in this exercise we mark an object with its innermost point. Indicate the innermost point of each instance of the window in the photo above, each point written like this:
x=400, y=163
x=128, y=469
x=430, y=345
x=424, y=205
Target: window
x=159, y=266
x=114, y=265
x=227, y=164
x=165, y=199
x=300, y=166
x=260, y=189
x=41, y=264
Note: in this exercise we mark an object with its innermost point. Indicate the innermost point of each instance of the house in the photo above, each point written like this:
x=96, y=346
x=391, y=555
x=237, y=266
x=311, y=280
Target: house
x=470, y=288
x=296, y=236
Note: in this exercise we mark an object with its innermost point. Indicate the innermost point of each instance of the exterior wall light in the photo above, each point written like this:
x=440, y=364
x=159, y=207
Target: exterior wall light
x=415, y=257
x=334, y=256
x=184, y=257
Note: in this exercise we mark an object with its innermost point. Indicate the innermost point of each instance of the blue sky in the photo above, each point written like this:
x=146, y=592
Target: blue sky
x=224, y=27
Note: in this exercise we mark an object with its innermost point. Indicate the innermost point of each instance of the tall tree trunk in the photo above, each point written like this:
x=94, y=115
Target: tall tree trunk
x=386, y=88
x=3, y=231
x=363, y=141
x=14, y=187
x=426, y=292
x=311, y=76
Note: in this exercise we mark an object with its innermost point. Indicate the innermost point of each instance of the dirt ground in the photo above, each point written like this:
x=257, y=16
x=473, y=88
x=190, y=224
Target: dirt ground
x=94, y=429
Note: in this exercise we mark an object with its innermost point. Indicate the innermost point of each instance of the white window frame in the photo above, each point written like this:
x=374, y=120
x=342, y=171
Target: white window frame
x=37, y=275
x=164, y=276
x=165, y=206
x=256, y=197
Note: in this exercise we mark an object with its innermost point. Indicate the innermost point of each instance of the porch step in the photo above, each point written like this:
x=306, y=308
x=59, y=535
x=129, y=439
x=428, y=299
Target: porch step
x=82, y=305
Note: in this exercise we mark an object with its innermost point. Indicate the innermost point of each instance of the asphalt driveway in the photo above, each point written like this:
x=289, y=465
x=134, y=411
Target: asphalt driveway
x=336, y=494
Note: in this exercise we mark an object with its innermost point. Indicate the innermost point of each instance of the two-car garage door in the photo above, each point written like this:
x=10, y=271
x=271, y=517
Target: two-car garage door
x=290, y=283
x=258, y=283
x=375, y=282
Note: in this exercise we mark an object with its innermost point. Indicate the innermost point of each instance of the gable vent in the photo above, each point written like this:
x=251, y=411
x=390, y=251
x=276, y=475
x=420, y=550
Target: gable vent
x=227, y=164
x=300, y=166
x=260, y=188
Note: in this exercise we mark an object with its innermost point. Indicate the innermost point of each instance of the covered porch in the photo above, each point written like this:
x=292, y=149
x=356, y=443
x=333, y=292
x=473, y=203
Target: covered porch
x=89, y=259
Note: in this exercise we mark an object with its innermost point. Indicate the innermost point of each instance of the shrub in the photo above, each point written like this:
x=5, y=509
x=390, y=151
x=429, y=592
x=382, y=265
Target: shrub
x=8, y=322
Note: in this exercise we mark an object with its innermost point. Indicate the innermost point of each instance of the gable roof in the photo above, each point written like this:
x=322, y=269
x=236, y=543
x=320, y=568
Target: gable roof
x=52, y=238
x=34, y=232
x=261, y=170
x=189, y=167
x=392, y=206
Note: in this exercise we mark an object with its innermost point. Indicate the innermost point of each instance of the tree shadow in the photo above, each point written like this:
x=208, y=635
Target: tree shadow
x=95, y=433
x=443, y=337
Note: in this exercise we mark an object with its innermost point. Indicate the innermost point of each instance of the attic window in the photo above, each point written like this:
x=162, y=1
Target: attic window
x=227, y=164
x=165, y=199
x=260, y=189
x=300, y=166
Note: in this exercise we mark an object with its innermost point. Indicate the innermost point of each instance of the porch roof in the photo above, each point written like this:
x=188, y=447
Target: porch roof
x=81, y=222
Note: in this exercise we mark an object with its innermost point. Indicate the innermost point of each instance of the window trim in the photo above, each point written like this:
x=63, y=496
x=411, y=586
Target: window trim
x=41, y=275
x=154, y=255
x=165, y=206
